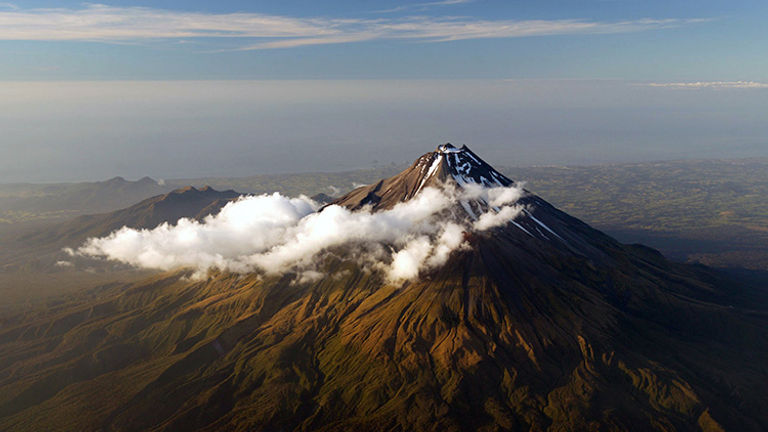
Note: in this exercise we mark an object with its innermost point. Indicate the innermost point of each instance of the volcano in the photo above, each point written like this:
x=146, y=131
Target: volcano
x=539, y=323
x=460, y=168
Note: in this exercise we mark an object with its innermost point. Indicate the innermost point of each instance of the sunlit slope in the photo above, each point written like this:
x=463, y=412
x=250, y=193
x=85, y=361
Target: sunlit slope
x=497, y=340
x=541, y=323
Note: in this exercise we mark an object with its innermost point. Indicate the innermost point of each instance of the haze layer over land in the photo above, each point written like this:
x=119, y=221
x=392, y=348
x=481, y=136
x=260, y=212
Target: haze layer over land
x=74, y=131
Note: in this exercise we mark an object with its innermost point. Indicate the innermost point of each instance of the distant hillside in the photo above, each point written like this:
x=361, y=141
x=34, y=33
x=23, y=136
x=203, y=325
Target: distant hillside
x=25, y=202
x=188, y=202
x=33, y=266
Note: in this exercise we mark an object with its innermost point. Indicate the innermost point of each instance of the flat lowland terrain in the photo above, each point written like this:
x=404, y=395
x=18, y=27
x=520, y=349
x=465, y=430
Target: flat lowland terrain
x=711, y=211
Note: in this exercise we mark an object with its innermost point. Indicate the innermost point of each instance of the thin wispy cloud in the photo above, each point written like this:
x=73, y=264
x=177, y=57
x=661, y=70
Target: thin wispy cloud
x=126, y=24
x=428, y=29
x=423, y=6
x=712, y=85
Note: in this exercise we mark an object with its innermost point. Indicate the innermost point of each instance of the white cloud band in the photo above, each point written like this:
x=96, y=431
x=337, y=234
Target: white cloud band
x=273, y=233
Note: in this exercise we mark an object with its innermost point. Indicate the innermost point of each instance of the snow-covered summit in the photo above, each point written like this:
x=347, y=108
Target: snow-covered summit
x=449, y=148
x=461, y=165
x=447, y=165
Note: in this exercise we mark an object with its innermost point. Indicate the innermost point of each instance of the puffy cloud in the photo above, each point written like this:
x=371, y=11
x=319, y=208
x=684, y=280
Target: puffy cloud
x=274, y=234
x=490, y=220
x=408, y=260
x=494, y=196
x=450, y=239
x=243, y=227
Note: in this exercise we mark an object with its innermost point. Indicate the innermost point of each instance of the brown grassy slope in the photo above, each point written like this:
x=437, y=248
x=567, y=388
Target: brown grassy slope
x=493, y=341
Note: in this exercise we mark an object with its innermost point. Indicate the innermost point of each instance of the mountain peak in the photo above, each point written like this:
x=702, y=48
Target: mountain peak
x=447, y=165
x=183, y=190
x=449, y=148
x=464, y=167
x=461, y=169
x=116, y=180
x=190, y=191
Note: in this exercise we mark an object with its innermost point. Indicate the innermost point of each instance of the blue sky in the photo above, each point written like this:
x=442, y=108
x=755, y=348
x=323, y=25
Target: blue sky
x=587, y=39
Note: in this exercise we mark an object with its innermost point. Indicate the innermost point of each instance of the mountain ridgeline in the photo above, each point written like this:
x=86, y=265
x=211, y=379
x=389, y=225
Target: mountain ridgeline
x=541, y=324
x=187, y=202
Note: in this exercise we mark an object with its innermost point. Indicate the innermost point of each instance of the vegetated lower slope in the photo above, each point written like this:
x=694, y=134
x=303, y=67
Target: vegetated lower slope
x=543, y=325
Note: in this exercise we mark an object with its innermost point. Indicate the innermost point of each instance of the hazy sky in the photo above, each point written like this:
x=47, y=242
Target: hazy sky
x=95, y=130
x=189, y=88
